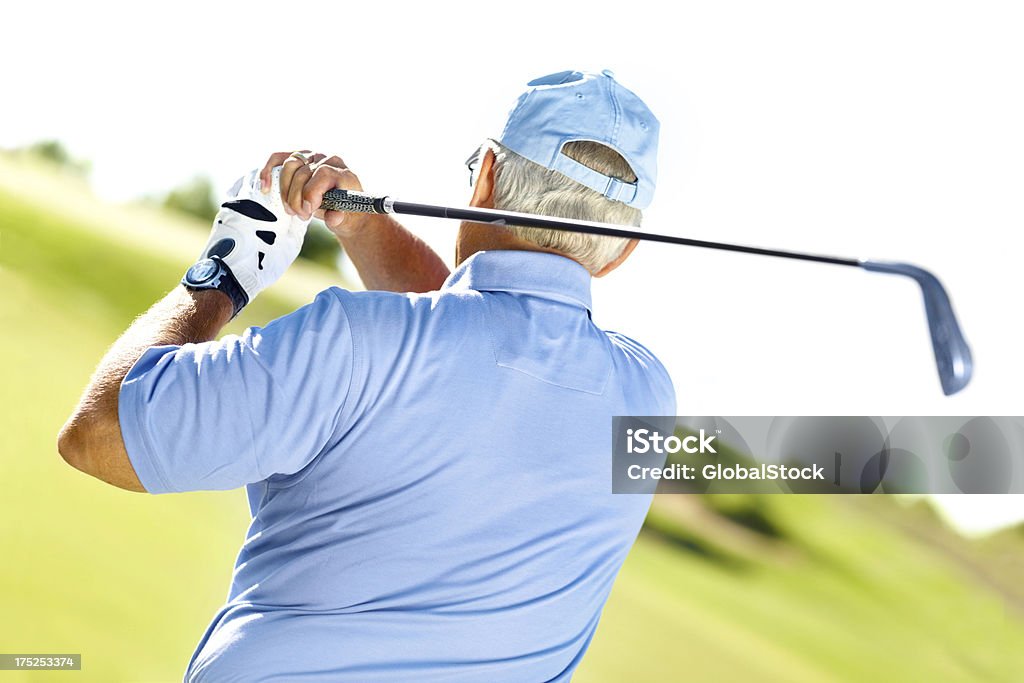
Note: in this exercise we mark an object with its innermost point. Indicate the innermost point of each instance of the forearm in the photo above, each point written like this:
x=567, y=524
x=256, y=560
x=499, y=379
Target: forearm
x=91, y=438
x=389, y=257
x=182, y=316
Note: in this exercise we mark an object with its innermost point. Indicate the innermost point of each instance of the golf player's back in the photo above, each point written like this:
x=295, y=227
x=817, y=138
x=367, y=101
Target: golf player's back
x=436, y=499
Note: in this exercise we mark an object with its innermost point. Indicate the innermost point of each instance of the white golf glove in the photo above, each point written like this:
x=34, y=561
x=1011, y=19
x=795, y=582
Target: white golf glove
x=253, y=235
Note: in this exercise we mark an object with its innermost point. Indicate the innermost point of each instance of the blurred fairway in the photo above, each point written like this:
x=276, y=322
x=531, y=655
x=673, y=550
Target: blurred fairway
x=727, y=588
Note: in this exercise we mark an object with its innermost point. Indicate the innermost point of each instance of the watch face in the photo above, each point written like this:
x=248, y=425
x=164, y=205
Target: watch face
x=202, y=271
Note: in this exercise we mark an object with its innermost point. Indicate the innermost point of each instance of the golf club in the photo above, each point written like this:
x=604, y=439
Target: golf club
x=952, y=355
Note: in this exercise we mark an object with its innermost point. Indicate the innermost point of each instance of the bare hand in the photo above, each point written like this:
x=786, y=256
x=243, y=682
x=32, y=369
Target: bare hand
x=304, y=182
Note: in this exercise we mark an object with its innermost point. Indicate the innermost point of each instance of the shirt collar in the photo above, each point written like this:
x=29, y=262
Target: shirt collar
x=537, y=273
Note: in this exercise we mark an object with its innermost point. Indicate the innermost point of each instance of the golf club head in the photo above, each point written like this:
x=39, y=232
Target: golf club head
x=952, y=355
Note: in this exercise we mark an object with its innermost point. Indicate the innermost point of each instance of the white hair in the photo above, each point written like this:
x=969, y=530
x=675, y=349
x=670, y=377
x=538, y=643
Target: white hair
x=527, y=187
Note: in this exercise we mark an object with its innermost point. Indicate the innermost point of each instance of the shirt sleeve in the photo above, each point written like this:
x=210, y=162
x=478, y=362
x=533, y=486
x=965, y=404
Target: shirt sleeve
x=221, y=414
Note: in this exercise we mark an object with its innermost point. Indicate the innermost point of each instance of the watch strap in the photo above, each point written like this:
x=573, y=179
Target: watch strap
x=225, y=281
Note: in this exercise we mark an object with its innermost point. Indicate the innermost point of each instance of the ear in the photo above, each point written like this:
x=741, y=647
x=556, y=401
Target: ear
x=612, y=265
x=483, y=191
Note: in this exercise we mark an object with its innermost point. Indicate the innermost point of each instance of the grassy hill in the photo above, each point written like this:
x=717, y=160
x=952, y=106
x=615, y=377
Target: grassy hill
x=718, y=588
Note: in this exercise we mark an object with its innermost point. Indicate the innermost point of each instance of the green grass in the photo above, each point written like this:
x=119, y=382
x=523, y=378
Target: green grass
x=783, y=588
x=130, y=581
x=855, y=600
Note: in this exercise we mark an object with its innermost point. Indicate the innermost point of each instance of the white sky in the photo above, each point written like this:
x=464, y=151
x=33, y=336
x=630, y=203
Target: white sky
x=889, y=130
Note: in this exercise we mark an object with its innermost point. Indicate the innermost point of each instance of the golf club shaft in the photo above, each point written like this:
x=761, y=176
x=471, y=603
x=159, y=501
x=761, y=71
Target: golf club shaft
x=344, y=200
x=952, y=355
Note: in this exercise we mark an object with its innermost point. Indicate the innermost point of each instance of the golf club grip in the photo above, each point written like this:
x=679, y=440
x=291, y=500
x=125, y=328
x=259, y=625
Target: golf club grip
x=350, y=200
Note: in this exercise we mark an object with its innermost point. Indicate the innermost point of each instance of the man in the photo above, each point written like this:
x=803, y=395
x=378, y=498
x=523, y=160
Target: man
x=429, y=473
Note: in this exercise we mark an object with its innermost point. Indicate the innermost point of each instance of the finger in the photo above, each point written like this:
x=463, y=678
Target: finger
x=276, y=159
x=328, y=178
x=295, y=200
x=333, y=219
x=307, y=210
x=335, y=161
x=291, y=165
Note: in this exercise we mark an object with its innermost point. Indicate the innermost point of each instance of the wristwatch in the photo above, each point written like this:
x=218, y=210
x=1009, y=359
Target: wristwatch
x=213, y=273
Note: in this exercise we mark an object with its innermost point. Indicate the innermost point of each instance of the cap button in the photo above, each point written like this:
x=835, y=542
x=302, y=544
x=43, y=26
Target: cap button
x=608, y=72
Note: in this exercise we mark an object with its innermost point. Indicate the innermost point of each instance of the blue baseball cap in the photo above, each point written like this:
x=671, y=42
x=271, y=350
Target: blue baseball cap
x=579, y=105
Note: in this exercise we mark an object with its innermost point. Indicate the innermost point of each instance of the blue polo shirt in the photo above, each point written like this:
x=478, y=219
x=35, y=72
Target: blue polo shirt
x=429, y=475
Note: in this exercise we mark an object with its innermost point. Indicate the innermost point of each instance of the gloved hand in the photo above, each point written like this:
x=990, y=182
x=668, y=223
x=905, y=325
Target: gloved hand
x=253, y=235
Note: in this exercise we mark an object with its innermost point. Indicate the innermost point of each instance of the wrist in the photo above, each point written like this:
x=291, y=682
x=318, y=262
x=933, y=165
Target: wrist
x=211, y=303
x=213, y=274
x=199, y=314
